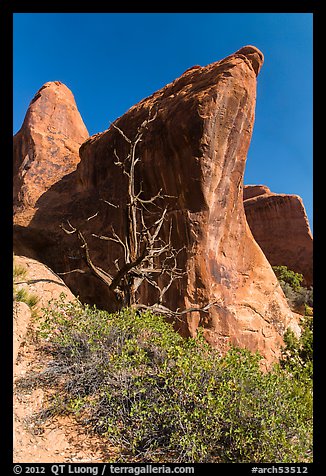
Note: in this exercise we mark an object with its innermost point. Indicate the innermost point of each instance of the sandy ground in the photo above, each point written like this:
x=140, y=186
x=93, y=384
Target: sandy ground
x=61, y=439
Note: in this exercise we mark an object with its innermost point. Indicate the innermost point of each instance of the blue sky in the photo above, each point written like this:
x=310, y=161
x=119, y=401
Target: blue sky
x=111, y=61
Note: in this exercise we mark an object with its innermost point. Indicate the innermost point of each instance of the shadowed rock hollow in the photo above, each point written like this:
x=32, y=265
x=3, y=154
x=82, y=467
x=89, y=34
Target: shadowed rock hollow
x=195, y=151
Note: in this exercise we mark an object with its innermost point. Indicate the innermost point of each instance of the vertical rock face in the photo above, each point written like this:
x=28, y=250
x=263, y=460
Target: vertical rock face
x=195, y=152
x=46, y=147
x=280, y=226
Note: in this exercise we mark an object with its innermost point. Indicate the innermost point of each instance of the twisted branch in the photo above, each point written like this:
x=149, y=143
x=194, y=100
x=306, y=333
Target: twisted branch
x=146, y=257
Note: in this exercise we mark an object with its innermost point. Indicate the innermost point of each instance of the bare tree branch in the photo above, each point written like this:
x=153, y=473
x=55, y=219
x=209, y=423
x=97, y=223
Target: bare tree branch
x=105, y=277
x=72, y=229
x=147, y=256
x=109, y=203
x=73, y=271
x=163, y=310
x=121, y=132
x=93, y=216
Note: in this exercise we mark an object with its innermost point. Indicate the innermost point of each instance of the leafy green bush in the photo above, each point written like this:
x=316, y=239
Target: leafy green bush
x=162, y=398
x=297, y=357
x=297, y=299
x=297, y=296
x=288, y=276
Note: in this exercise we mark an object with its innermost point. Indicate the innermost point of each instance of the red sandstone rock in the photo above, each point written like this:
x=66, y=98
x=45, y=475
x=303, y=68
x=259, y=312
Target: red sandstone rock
x=41, y=282
x=280, y=226
x=46, y=147
x=195, y=150
x=250, y=191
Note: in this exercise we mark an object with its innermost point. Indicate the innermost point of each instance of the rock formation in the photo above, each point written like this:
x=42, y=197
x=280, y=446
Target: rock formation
x=40, y=281
x=195, y=151
x=281, y=228
x=46, y=147
x=61, y=440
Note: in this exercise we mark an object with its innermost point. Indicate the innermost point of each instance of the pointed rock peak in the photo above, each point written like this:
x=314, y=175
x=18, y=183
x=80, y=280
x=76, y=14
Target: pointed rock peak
x=52, y=84
x=56, y=87
x=54, y=106
x=46, y=148
x=194, y=152
x=254, y=55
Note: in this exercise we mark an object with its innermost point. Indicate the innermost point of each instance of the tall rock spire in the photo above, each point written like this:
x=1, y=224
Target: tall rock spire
x=46, y=147
x=195, y=152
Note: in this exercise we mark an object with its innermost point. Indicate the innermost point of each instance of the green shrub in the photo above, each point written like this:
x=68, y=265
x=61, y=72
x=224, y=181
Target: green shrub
x=162, y=398
x=297, y=356
x=297, y=299
x=22, y=294
x=297, y=296
x=288, y=276
x=19, y=271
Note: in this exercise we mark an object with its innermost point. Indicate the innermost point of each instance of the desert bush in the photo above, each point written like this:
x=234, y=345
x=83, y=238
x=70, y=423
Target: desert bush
x=297, y=296
x=19, y=271
x=22, y=294
x=297, y=299
x=297, y=355
x=288, y=276
x=163, y=398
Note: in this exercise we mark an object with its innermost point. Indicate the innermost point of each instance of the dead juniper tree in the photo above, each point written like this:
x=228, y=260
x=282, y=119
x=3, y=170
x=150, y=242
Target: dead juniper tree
x=145, y=257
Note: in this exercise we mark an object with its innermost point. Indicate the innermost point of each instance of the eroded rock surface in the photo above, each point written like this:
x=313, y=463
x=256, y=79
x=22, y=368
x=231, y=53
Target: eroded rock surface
x=40, y=281
x=46, y=147
x=280, y=226
x=195, y=151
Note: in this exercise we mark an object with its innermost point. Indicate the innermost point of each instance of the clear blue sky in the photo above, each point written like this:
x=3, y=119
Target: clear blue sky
x=111, y=61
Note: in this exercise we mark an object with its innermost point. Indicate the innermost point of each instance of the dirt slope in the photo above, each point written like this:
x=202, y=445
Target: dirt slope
x=60, y=439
